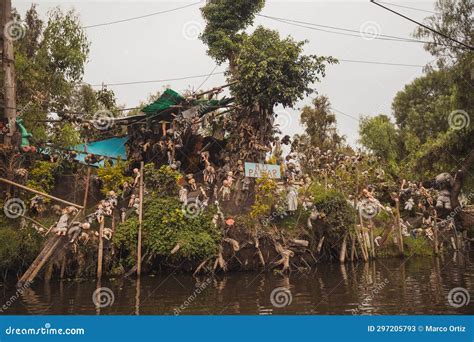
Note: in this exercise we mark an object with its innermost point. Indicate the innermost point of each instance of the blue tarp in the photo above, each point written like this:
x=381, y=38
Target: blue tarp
x=112, y=148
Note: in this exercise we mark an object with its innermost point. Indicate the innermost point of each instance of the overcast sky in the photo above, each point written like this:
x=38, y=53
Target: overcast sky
x=165, y=46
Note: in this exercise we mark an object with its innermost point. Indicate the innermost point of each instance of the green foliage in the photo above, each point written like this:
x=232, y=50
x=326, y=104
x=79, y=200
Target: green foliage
x=380, y=135
x=162, y=182
x=274, y=71
x=42, y=176
x=18, y=247
x=164, y=226
x=113, y=176
x=320, y=124
x=265, y=198
x=417, y=247
x=225, y=21
x=49, y=61
x=339, y=215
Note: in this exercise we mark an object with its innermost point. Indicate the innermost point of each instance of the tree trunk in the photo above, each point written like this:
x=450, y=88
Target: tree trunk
x=459, y=178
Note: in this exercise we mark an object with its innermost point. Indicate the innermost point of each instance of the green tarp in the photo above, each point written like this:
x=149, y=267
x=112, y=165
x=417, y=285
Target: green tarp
x=168, y=99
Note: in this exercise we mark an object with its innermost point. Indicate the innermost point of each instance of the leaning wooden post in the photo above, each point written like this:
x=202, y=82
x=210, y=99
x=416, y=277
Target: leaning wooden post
x=435, y=233
x=40, y=193
x=100, y=253
x=399, y=227
x=86, y=190
x=140, y=223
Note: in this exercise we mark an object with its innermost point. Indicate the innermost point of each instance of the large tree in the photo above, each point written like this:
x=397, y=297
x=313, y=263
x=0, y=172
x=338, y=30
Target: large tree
x=49, y=63
x=266, y=70
x=320, y=124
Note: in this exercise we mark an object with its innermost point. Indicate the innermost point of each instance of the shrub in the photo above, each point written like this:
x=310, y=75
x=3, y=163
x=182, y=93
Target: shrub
x=164, y=226
x=339, y=215
x=113, y=176
x=162, y=181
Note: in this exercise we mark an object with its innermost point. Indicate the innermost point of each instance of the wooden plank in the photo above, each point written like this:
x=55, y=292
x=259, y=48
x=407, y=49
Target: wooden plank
x=40, y=193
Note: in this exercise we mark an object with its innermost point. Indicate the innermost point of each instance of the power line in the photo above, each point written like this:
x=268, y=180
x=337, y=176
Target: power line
x=381, y=63
x=157, y=81
x=422, y=25
x=207, y=78
x=359, y=33
x=142, y=16
x=222, y=73
x=408, y=7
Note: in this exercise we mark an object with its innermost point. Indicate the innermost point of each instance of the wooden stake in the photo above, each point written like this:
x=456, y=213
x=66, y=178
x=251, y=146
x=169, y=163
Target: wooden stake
x=140, y=223
x=399, y=227
x=86, y=190
x=435, y=233
x=40, y=193
x=100, y=253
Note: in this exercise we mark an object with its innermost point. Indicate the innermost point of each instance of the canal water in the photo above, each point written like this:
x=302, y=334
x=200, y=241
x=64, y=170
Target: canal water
x=394, y=286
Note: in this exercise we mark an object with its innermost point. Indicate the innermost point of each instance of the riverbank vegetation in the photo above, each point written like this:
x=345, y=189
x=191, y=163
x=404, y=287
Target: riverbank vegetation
x=407, y=191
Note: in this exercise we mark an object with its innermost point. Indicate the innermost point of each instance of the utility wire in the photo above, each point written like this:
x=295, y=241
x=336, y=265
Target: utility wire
x=158, y=81
x=408, y=7
x=359, y=33
x=423, y=25
x=142, y=16
x=381, y=63
x=207, y=78
x=222, y=72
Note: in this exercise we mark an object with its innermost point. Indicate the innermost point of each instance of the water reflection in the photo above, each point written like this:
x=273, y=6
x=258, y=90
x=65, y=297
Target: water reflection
x=397, y=286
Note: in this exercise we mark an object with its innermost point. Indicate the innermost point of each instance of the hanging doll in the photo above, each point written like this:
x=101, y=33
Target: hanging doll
x=183, y=195
x=225, y=190
x=192, y=182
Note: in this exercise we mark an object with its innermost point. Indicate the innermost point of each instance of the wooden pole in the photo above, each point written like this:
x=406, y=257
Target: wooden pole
x=8, y=72
x=40, y=193
x=435, y=233
x=100, y=253
x=86, y=190
x=399, y=227
x=140, y=223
